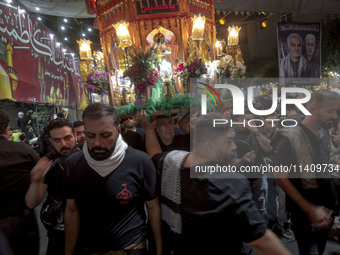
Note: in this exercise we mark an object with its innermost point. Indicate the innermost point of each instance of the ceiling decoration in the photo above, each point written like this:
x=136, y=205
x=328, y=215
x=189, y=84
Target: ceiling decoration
x=64, y=8
x=281, y=6
x=77, y=8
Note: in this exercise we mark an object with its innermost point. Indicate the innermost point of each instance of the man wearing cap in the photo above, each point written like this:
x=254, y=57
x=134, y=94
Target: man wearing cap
x=132, y=135
x=80, y=132
x=21, y=122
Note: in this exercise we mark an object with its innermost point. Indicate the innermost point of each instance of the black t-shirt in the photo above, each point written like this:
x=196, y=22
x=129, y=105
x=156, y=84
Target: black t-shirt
x=16, y=162
x=218, y=214
x=21, y=123
x=56, y=177
x=260, y=153
x=134, y=139
x=111, y=208
x=242, y=142
x=180, y=142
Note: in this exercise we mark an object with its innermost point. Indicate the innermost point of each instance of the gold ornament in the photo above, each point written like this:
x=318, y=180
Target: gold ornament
x=159, y=38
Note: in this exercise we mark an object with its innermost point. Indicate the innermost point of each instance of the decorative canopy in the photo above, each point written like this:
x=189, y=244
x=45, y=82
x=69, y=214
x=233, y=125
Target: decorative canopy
x=64, y=8
x=281, y=6
x=78, y=8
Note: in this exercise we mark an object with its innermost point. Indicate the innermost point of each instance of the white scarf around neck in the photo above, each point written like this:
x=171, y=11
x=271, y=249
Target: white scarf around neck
x=105, y=167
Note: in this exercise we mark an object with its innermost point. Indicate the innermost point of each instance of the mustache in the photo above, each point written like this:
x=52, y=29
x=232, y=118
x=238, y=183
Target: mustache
x=65, y=148
x=98, y=148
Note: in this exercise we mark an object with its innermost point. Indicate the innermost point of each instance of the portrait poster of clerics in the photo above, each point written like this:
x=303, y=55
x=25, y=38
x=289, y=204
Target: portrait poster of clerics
x=299, y=49
x=35, y=65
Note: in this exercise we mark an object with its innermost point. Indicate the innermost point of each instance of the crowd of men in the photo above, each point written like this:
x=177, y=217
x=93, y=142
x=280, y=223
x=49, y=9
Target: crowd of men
x=111, y=187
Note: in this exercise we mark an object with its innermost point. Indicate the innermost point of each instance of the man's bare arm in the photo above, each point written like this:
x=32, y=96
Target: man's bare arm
x=154, y=213
x=72, y=226
x=36, y=191
x=151, y=143
x=268, y=244
x=184, y=123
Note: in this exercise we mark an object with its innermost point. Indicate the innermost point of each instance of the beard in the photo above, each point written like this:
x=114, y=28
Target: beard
x=64, y=151
x=222, y=156
x=106, y=153
x=295, y=54
x=329, y=123
x=130, y=125
x=310, y=52
x=81, y=141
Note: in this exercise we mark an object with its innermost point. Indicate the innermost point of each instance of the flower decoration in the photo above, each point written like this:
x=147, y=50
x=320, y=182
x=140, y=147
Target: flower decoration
x=98, y=82
x=191, y=69
x=226, y=68
x=143, y=71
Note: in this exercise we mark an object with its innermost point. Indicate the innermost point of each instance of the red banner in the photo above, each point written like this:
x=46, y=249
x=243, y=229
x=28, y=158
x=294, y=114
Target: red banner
x=35, y=66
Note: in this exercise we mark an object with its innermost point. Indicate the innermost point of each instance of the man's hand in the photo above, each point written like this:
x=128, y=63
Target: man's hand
x=320, y=217
x=249, y=157
x=40, y=169
x=37, y=188
x=144, y=120
x=252, y=128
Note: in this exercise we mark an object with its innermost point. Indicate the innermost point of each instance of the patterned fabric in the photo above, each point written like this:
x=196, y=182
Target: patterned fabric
x=302, y=148
x=171, y=189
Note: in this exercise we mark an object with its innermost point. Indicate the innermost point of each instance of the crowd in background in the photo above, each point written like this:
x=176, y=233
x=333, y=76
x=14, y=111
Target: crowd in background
x=113, y=184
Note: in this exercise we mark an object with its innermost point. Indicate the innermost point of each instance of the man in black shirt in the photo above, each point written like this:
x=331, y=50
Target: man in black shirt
x=52, y=178
x=312, y=198
x=209, y=214
x=162, y=132
x=108, y=185
x=165, y=128
x=132, y=135
x=21, y=122
x=17, y=222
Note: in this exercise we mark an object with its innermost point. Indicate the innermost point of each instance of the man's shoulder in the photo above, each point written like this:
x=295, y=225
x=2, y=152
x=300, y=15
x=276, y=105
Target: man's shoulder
x=303, y=58
x=74, y=157
x=231, y=184
x=291, y=131
x=17, y=147
x=182, y=135
x=135, y=155
x=286, y=58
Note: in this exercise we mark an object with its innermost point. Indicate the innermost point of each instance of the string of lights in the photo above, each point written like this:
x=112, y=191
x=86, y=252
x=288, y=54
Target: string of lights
x=68, y=29
x=72, y=29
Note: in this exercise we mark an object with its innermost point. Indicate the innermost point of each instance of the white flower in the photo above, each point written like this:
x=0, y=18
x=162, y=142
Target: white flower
x=224, y=64
x=227, y=68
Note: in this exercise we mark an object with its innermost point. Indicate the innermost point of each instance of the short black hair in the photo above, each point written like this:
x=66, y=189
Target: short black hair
x=165, y=116
x=60, y=115
x=320, y=96
x=78, y=123
x=22, y=137
x=205, y=130
x=99, y=110
x=4, y=121
x=58, y=123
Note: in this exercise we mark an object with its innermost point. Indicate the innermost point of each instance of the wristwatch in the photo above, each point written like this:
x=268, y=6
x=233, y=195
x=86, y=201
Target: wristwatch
x=257, y=133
